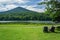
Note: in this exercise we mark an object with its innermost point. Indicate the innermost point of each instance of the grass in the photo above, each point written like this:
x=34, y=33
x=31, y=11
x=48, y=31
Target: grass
x=26, y=32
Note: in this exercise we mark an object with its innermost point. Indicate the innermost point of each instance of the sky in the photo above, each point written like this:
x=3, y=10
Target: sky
x=6, y=5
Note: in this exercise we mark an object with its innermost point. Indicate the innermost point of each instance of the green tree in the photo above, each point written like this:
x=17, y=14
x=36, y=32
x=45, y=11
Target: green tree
x=52, y=7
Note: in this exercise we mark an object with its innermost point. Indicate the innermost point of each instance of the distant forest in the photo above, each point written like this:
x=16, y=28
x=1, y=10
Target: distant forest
x=24, y=16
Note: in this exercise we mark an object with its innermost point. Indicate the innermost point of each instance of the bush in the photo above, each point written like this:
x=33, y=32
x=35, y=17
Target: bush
x=58, y=28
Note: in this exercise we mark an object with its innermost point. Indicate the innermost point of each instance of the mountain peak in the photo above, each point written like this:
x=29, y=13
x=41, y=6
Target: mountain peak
x=18, y=10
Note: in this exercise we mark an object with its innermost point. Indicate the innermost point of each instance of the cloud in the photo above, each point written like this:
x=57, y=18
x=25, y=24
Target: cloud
x=15, y=2
x=6, y=5
x=10, y=4
x=12, y=1
x=3, y=9
x=33, y=8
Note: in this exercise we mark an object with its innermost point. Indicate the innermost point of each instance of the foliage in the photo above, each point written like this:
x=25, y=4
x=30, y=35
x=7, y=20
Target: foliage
x=21, y=16
x=53, y=8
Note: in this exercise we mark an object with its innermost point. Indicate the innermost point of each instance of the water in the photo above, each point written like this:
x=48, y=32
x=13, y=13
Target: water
x=28, y=21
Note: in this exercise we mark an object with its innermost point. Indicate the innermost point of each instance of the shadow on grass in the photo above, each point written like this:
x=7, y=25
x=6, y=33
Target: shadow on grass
x=58, y=32
x=53, y=32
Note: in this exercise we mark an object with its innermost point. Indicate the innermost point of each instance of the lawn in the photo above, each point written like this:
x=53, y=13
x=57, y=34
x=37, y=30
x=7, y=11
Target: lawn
x=26, y=32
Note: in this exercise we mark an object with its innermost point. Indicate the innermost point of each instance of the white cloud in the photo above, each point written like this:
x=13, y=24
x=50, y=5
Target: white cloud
x=9, y=4
x=22, y=1
x=3, y=9
x=12, y=6
x=33, y=8
x=8, y=7
x=12, y=1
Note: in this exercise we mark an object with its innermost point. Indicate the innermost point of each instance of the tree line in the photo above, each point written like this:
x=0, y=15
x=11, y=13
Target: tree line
x=24, y=16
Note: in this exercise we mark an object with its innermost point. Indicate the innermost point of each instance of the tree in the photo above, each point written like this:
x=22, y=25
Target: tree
x=52, y=7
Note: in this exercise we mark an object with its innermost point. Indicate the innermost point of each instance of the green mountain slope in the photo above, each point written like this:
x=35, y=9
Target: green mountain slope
x=19, y=14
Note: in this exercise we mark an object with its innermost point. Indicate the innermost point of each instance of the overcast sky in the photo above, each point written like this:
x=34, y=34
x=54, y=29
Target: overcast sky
x=6, y=5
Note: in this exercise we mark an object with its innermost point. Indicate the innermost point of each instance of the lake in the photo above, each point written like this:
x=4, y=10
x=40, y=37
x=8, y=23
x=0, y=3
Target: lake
x=27, y=21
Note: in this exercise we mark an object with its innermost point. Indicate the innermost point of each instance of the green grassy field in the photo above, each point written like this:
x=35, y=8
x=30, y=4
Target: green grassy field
x=26, y=32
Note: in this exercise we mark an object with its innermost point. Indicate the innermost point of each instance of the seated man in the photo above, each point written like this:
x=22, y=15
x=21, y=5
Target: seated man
x=52, y=29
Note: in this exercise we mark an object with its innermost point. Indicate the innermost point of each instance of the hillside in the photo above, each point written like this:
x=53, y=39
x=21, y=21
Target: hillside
x=18, y=9
x=20, y=13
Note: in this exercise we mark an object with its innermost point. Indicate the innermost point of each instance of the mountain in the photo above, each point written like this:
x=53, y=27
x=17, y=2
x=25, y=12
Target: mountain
x=19, y=14
x=18, y=9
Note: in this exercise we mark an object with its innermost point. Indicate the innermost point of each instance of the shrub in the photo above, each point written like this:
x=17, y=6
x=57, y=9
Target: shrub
x=58, y=28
